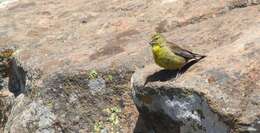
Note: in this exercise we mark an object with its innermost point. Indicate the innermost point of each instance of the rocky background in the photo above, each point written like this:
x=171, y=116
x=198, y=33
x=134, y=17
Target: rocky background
x=72, y=62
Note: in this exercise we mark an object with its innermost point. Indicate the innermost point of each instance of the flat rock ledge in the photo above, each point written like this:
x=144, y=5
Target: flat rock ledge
x=219, y=94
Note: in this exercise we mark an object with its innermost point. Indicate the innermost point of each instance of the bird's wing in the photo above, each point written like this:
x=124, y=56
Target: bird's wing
x=183, y=52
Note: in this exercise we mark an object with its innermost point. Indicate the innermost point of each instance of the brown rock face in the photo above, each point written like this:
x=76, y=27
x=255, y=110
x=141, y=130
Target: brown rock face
x=73, y=61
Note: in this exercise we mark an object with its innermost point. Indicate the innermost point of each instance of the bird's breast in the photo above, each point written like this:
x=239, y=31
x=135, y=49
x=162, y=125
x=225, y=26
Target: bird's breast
x=156, y=49
x=160, y=52
x=166, y=59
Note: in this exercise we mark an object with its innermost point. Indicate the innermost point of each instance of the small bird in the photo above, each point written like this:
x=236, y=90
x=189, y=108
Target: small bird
x=169, y=55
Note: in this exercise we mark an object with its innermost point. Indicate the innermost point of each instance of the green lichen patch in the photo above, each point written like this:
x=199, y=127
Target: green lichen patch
x=112, y=121
x=92, y=74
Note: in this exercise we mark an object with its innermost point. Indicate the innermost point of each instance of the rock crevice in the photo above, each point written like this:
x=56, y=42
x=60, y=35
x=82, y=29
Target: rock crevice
x=17, y=78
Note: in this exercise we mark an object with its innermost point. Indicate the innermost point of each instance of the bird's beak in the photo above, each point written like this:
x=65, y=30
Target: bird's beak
x=151, y=43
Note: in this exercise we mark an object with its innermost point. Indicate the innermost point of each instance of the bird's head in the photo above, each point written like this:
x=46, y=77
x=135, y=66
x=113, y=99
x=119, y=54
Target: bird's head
x=157, y=39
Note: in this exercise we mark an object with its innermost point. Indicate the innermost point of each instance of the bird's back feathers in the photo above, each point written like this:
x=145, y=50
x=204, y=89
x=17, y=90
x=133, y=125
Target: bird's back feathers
x=188, y=55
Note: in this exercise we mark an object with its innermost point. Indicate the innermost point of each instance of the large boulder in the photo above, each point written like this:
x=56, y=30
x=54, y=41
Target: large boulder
x=73, y=59
x=220, y=94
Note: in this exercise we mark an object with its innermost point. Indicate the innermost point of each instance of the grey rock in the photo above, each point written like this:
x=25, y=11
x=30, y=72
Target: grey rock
x=6, y=102
x=104, y=130
x=96, y=85
x=73, y=98
x=29, y=116
x=65, y=103
x=185, y=111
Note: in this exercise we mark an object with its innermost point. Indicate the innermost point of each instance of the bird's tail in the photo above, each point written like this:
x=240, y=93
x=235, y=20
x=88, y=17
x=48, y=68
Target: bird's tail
x=198, y=56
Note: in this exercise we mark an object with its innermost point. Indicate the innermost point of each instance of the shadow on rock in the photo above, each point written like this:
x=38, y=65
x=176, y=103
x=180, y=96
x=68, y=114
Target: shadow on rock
x=156, y=123
x=164, y=75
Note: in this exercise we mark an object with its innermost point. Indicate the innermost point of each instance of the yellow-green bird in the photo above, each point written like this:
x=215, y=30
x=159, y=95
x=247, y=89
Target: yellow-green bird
x=170, y=56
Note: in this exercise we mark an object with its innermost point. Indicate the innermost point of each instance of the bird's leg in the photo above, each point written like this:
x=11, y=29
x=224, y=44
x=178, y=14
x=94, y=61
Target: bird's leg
x=179, y=73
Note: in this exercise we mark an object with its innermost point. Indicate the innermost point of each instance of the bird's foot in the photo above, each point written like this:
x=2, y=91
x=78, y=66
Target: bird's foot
x=179, y=73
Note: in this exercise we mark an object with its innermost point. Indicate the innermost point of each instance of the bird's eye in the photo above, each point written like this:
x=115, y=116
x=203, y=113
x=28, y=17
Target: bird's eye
x=156, y=37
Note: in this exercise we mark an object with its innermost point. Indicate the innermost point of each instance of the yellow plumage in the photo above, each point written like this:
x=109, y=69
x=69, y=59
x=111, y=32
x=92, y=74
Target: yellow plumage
x=170, y=56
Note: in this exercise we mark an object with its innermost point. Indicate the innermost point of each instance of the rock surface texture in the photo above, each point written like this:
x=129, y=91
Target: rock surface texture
x=73, y=62
x=220, y=94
